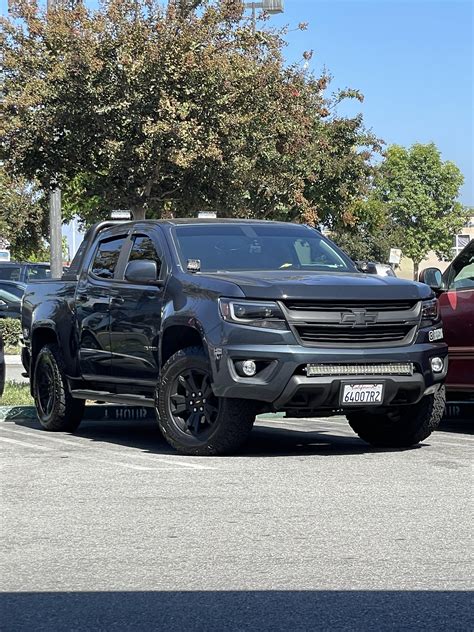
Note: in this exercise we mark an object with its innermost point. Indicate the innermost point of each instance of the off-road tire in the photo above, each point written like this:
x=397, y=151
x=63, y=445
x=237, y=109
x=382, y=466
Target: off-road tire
x=232, y=425
x=403, y=426
x=64, y=414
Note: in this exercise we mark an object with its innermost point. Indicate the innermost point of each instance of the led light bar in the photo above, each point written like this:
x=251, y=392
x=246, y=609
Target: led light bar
x=394, y=368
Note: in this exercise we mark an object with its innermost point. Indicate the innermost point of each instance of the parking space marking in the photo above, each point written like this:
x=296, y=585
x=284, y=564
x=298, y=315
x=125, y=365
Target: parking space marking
x=24, y=444
x=174, y=461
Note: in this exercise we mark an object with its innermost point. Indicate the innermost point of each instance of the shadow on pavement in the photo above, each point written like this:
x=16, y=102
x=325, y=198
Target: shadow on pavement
x=265, y=440
x=463, y=426
x=236, y=610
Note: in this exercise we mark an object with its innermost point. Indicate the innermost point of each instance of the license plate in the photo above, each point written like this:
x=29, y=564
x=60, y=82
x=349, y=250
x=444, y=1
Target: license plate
x=362, y=394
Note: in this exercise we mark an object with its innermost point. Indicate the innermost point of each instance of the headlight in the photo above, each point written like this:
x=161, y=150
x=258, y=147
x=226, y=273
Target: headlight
x=254, y=314
x=429, y=312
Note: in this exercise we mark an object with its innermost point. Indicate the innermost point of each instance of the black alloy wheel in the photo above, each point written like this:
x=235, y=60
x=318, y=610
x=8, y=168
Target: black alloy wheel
x=45, y=386
x=55, y=406
x=192, y=419
x=193, y=406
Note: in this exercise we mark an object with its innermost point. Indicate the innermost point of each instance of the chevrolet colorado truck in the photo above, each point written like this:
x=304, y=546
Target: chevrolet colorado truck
x=212, y=322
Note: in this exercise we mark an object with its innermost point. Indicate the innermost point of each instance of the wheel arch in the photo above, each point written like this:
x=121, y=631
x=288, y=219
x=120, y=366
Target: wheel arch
x=177, y=337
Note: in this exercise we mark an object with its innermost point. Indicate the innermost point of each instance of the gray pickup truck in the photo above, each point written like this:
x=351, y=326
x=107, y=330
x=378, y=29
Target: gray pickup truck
x=212, y=322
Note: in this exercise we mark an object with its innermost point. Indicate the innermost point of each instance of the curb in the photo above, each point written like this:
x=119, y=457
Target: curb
x=99, y=413
x=455, y=411
x=13, y=360
x=92, y=413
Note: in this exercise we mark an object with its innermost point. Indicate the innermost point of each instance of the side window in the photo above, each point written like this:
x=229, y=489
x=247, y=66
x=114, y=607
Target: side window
x=106, y=258
x=144, y=248
x=462, y=274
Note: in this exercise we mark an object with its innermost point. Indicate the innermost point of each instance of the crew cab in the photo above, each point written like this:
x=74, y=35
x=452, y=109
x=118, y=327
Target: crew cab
x=212, y=322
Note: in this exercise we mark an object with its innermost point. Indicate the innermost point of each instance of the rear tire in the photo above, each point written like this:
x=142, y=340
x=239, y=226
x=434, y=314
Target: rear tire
x=192, y=419
x=55, y=407
x=403, y=426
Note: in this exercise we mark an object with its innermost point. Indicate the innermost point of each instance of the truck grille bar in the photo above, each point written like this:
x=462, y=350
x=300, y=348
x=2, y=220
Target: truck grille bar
x=363, y=323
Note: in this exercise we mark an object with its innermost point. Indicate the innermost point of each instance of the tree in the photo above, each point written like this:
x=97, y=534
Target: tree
x=369, y=232
x=419, y=192
x=169, y=110
x=23, y=216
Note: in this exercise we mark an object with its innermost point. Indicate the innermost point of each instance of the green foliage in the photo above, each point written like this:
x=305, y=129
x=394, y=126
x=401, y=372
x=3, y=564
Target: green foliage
x=412, y=205
x=10, y=331
x=23, y=216
x=419, y=192
x=16, y=394
x=168, y=110
x=369, y=233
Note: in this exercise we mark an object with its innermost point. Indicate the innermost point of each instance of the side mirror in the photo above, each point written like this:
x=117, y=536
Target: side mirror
x=432, y=277
x=366, y=266
x=142, y=271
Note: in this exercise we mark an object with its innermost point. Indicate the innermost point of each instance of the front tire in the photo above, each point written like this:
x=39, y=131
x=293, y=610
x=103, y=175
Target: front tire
x=55, y=407
x=402, y=426
x=192, y=419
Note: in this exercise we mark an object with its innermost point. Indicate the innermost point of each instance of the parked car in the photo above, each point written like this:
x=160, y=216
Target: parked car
x=2, y=367
x=10, y=305
x=212, y=322
x=375, y=267
x=384, y=269
x=24, y=272
x=13, y=287
x=455, y=290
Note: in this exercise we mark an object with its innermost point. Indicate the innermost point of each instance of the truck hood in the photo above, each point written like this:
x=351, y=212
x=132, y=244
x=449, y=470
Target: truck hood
x=282, y=284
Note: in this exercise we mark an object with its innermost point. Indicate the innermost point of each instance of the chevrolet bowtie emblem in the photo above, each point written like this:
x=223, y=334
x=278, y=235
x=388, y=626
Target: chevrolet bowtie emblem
x=358, y=317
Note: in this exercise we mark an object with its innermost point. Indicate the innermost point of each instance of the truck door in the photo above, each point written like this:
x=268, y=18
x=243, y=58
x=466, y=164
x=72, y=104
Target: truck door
x=136, y=317
x=457, y=310
x=93, y=308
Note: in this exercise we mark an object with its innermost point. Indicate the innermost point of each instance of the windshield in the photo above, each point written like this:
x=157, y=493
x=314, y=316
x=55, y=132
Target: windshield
x=226, y=247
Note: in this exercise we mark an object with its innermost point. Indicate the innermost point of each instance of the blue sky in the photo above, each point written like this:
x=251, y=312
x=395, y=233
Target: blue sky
x=413, y=61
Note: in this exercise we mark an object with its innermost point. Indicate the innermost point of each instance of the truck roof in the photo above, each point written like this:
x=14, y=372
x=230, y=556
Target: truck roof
x=179, y=221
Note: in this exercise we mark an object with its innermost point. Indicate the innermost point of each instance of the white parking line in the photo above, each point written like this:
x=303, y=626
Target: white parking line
x=81, y=442
x=27, y=444
x=24, y=444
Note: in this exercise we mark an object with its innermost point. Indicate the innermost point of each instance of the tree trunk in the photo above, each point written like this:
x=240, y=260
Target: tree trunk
x=138, y=212
x=416, y=265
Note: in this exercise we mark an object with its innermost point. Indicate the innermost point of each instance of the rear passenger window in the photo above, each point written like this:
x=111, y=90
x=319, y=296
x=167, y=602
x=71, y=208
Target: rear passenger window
x=106, y=258
x=144, y=248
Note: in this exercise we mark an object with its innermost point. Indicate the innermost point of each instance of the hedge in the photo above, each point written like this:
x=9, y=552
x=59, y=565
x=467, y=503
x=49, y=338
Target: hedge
x=10, y=330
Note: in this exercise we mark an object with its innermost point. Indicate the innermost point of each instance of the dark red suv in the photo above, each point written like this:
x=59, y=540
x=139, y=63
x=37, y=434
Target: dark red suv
x=455, y=289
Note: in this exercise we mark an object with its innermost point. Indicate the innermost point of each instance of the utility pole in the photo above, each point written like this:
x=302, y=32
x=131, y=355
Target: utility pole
x=55, y=223
x=55, y=234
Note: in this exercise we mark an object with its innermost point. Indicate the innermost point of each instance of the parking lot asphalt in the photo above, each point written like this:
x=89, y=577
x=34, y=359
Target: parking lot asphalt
x=308, y=528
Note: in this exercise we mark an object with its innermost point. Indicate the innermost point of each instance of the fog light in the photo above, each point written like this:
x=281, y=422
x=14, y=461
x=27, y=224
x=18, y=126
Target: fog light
x=249, y=368
x=437, y=365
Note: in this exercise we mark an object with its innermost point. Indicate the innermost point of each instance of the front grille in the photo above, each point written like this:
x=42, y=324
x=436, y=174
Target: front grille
x=337, y=306
x=339, y=334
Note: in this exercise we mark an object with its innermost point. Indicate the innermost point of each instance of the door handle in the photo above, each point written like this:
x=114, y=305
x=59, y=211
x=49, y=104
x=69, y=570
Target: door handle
x=117, y=300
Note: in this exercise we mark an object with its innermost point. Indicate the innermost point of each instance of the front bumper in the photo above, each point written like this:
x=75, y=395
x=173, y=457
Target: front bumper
x=282, y=384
